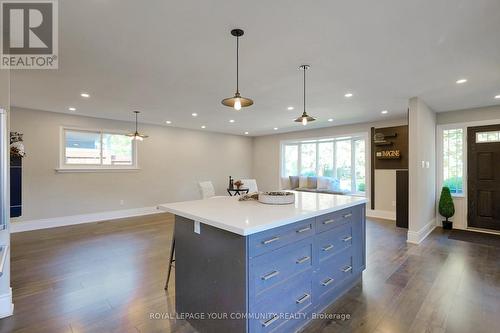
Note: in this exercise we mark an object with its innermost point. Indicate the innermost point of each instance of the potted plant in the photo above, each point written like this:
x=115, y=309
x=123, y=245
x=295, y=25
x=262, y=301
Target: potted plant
x=238, y=184
x=446, y=207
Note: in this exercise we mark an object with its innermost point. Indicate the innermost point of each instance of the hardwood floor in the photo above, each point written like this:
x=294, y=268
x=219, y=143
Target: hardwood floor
x=109, y=276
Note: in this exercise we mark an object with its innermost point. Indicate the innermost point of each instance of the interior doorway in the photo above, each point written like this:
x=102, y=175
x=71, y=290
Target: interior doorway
x=483, y=177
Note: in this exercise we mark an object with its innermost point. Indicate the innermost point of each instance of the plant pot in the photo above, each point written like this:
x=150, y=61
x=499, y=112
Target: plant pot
x=447, y=225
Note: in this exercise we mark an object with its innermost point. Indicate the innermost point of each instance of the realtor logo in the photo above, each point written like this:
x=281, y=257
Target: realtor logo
x=29, y=34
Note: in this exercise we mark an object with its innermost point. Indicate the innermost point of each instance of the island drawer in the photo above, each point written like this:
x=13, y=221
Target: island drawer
x=267, y=241
x=288, y=301
x=331, y=242
x=270, y=269
x=332, y=220
x=332, y=272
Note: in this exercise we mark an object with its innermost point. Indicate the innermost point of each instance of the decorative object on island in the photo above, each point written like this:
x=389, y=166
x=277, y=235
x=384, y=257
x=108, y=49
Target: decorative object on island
x=305, y=118
x=237, y=101
x=277, y=198
x=231, y=183
x=446, y=207
x=238, y=184
x=16, y=145
x=136, y=135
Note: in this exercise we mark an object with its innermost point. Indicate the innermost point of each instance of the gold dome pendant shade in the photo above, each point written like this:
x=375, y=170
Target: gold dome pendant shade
x=136, y=135
x=304, y=118
x=237, y=101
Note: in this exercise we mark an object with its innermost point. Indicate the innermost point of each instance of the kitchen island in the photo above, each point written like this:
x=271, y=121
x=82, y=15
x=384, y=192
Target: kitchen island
x=243, y=266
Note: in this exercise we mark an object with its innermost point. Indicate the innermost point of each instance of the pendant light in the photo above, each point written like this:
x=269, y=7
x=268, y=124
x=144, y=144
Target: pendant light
x=305, y=118
x=237, y=102
x=136, y=136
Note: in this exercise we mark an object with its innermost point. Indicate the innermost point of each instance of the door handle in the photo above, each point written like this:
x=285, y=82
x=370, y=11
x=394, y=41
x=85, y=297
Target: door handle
x=303, y=230
x=303, y=260
x=327, y=248
x=327, y=282
x=270, y=275
x=269, y=241
x=346, y=239
x=328, y=221
x=303, y=299
x=347, y=269
x=270, y=321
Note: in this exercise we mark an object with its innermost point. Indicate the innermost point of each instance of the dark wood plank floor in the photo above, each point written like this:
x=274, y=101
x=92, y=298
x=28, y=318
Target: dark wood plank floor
x=108, y=277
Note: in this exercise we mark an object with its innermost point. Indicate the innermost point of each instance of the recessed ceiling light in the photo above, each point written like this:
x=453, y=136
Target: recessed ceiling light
x=72, y=108
x=246, y=133
x=203, y=126
x=461, y=81
x=194, y=114
x=276, y=128
x=290, y=108
x=497, y=96
x=168, y=122
x=384, y=112
x=85, y=95
x=348, y=95
x=330, y=120
x=231, y=121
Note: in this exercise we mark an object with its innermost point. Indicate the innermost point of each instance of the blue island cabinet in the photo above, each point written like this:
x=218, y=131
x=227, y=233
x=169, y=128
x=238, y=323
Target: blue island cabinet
x=271, y=281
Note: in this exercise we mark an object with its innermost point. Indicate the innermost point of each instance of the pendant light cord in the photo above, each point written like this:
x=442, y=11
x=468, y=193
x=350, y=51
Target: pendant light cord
x=304, y=89
x=237, y=64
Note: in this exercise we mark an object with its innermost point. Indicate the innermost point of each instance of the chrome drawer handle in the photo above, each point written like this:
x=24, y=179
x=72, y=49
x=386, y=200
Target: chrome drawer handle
x=269, y=241
x=303, y=299
x=328, y=221
x=327, y=248
x=327, y=282
x=303, y=260
x=347, y=269
x=347, y=215
x=270, y=275
x=270, y=321
x=303, y=230
x=346, y=239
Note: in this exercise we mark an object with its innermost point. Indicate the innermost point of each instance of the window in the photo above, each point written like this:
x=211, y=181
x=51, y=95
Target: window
x=87, y=149
x=453, y=159
x=491, y=136
x=343, y=159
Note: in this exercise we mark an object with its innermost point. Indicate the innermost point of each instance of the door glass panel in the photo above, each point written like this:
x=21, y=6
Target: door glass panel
x=491, y=136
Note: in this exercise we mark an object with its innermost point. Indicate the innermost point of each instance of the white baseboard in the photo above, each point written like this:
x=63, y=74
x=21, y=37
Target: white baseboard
x=6, y=305
x=416, y=237
x=381, y=214
x=79, y=219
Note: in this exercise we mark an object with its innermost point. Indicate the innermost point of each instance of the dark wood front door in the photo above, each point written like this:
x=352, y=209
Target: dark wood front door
x=483, y=176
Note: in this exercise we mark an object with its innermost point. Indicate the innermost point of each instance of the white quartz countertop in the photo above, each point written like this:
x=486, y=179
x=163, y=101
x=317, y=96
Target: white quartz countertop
x=249, y=217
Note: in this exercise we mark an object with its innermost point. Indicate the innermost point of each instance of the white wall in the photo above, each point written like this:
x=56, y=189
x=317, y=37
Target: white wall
x=422, y=170
x=266, y=152
x=469, y=115
x=171, y=161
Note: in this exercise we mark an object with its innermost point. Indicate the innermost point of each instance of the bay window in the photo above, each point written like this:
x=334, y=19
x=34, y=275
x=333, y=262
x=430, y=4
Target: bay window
x=343, y=159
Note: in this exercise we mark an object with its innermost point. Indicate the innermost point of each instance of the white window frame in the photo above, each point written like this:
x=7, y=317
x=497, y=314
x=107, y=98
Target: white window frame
x=440, y=157
x=63, y=167
x=349, y=136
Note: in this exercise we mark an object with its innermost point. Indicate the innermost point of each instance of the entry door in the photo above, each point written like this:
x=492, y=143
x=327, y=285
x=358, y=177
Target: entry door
x=483, y=144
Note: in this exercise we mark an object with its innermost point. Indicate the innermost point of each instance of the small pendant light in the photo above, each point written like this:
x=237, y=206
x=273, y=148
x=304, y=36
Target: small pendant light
x=237, y=102
x=136, y=135
x=305, y=118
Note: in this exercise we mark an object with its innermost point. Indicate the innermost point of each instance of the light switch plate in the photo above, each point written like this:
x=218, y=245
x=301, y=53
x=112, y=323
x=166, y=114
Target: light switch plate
x=197, y=227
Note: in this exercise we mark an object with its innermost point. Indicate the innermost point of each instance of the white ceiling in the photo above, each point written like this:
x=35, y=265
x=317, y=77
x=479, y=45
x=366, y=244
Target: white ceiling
x=172, y=58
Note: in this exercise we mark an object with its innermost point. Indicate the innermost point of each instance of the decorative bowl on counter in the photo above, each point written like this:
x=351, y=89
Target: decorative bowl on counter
x=277, y=198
